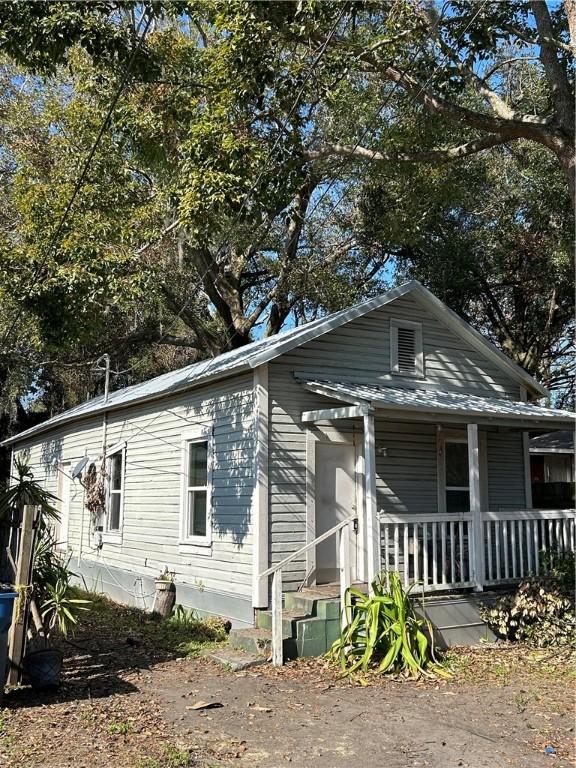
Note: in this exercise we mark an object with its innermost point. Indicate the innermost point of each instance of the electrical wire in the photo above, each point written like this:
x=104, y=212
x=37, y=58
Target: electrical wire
x=82, y=177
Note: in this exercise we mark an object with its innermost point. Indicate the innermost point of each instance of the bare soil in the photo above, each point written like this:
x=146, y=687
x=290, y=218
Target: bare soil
x=127, y=702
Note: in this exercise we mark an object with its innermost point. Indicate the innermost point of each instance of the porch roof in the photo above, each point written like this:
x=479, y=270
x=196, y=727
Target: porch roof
x=441, y=403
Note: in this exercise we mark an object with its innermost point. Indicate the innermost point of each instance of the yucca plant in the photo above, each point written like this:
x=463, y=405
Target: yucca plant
x=383, y=633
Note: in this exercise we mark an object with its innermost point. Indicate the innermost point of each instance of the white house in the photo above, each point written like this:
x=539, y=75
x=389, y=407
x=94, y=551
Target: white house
x=392, y=421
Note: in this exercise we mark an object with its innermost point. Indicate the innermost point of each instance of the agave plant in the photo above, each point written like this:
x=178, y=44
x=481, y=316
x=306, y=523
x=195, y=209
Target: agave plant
x=383, y=632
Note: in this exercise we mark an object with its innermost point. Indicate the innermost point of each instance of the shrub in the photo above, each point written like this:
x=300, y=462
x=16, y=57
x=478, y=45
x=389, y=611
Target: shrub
x=561, y=568
x=539, y=612
x=383, y=632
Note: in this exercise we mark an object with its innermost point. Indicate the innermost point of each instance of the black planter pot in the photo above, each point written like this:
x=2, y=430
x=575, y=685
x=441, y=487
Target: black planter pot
x=42, y=669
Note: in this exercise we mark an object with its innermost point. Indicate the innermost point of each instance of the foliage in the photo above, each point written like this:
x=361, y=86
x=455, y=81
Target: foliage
x=538, y=612
x=383, y=632
x=51, y=588
x=561, y=566
x=183, y=633
x=235, y=187
x=25, y=491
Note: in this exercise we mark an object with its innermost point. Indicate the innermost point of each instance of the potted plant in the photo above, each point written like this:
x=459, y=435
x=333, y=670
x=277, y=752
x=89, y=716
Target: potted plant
x=55, y=606
x=50, y=596
x=165, y=596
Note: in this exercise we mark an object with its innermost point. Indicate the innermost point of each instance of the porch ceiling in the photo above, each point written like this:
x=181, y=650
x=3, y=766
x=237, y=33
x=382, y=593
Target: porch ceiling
x=427, y=403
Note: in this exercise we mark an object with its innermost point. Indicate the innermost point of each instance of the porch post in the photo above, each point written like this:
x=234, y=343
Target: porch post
x=475, y=506
x=371, y=517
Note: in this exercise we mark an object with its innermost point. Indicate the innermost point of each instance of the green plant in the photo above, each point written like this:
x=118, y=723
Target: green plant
x=120, y=727
x=60, y=607
x=51, y=589
x=538, y=612
x=25, y=490
x=383, y=632
x=561, y=567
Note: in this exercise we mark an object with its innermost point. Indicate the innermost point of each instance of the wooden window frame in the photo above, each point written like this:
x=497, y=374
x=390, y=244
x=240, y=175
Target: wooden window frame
x=114, y=536
x=395, y=324
x=199, y=435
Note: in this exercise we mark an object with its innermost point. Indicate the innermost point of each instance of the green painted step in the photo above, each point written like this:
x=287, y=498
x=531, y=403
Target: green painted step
x=326, y=608
x=289, y=621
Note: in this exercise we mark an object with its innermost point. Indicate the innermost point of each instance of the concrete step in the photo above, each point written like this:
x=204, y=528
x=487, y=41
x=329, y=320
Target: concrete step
x=308, y=603
x=259, y=641
x=233, y=659
x=289, y=621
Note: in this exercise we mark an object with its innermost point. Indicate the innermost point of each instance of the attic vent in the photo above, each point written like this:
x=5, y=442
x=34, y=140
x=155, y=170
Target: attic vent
x=406, y=357
x=407, y=350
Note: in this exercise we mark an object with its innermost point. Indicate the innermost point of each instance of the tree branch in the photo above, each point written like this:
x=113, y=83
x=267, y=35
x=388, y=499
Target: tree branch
x=434, y=156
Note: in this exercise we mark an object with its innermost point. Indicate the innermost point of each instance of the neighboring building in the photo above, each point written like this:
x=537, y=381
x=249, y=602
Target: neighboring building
x=552, y=469
x=394, y=420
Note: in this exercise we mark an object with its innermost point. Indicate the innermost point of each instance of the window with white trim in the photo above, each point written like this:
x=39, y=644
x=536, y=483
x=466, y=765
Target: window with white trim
x=406, y=352
x=115, y=465
x=196, y=488
x=457, y=475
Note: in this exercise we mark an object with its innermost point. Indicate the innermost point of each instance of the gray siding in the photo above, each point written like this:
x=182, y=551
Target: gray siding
x=360, y=351
x=153, y=433
x=505, y=471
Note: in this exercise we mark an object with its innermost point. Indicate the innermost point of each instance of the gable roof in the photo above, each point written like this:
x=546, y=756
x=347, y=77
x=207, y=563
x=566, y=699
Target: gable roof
x=264, y=350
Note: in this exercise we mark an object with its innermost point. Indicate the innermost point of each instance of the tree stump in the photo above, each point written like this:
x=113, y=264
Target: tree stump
x=164, y=598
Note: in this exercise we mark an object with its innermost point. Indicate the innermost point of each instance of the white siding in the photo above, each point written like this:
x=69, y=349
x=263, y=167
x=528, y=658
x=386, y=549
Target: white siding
x=153, y=433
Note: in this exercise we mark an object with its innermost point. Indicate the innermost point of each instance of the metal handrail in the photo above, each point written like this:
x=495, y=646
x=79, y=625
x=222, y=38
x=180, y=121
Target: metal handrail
x=306, y=547
x=276, y=572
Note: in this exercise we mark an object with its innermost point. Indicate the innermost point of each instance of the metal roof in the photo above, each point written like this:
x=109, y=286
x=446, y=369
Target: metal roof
x=561, y=441
x=437, y=402
x=264, y=350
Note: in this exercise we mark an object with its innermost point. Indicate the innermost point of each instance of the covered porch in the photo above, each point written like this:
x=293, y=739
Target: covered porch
x=471, y=538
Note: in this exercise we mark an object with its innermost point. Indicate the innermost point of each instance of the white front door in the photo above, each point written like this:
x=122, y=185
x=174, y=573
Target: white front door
x=335, y=500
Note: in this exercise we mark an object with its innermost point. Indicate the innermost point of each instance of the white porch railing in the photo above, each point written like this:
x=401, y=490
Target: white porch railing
x=433, y=549
x=513, y=541
x=343, y=531
x=438, y=550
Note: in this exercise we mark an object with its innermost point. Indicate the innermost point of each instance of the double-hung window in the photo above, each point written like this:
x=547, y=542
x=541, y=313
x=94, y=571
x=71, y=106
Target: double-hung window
x=115, y=466
x=196, y=488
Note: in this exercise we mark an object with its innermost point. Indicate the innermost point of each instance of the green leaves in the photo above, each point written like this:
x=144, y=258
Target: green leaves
x=383, y=633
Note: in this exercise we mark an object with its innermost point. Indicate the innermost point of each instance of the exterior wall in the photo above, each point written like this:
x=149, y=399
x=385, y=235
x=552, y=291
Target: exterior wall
x=407, y=475
x=506, y=488
x=152, y=491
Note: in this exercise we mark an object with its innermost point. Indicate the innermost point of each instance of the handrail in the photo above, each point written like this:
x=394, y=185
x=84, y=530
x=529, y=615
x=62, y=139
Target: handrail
x=306, y=547
x=276, y=572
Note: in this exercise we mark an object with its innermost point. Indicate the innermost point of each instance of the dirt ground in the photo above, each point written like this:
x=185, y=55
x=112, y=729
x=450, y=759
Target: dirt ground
x=126, y=703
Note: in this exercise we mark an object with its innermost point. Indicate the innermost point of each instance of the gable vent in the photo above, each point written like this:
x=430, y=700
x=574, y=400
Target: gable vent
x=407, y=350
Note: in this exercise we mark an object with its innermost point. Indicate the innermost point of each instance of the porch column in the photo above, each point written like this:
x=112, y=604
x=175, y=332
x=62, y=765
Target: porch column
x=371, y=517
x=475, y=506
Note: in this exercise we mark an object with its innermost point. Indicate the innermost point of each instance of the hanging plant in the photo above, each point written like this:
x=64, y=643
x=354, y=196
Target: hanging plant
x=95, y=488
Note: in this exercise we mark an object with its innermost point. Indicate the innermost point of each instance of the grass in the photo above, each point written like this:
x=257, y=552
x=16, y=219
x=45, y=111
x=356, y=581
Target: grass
x=173, y=757
x=183, y=634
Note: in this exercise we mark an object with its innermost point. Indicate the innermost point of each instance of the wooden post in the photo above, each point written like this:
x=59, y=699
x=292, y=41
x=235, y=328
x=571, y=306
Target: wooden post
x=345, y=573
x=475, y=506
x=372, y=522
x=21, y=580
x=277, y=651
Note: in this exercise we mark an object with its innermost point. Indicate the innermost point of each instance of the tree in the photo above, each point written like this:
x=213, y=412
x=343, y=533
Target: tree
x=222, y=199
x=459, y=64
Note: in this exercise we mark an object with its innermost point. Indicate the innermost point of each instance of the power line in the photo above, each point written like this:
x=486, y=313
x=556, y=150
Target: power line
x=82, y=177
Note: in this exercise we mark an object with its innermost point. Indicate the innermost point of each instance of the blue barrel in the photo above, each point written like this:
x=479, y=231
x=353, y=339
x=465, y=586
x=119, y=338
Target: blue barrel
x=6, y=609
